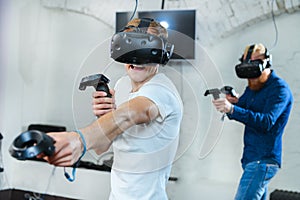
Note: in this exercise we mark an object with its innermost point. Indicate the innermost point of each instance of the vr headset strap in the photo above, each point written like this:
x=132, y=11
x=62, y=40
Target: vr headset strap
x=145, y=23
x=250, y=50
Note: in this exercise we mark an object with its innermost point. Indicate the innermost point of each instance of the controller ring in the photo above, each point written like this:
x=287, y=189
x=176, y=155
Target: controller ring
x=31, y=143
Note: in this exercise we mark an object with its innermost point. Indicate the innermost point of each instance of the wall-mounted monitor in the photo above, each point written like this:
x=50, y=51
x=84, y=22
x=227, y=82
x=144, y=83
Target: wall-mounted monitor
x=181, y=28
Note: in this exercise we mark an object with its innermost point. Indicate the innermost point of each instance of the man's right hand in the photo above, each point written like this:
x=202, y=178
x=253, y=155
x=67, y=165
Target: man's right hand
x=232, y=99
x=102, y=104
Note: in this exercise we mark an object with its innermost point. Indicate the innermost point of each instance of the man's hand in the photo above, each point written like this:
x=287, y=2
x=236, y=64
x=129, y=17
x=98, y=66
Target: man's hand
x=223, y=105
x=102, y=104
x=68, y=148
x=232, y=99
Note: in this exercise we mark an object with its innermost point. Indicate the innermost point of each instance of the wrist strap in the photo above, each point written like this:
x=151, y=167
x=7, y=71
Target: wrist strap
x=231, y=109
x=67, y=175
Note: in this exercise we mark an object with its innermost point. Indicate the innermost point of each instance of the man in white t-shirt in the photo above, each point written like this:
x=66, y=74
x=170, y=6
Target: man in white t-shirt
x=141, y=121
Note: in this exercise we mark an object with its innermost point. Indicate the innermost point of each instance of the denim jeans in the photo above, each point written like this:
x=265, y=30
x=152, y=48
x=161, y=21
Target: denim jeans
x=254, y=181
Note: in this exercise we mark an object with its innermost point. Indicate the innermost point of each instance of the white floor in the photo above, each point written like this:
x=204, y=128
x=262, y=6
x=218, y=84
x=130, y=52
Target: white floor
x=206, y=190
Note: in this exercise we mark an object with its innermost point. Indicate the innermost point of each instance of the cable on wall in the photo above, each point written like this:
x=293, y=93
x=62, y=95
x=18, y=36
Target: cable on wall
x=162, y=4
x=275, y=26
x=134, y=11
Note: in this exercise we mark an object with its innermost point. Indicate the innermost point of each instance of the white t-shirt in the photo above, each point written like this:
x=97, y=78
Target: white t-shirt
x=144, y=153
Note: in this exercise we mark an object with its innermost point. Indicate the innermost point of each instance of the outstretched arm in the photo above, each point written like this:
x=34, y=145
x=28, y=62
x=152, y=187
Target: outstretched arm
x=100, y=134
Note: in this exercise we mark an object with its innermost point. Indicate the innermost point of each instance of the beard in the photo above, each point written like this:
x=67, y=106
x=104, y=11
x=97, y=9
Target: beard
x=257, y=83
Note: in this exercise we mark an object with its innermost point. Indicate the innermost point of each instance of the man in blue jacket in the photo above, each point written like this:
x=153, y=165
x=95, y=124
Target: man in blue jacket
x=264, y=109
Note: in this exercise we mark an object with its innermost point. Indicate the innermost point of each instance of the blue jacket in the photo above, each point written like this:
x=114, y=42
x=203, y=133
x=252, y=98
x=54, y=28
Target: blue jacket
x=264, y=114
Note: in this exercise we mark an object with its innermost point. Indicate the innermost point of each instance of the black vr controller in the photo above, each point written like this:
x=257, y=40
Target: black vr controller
x=225, y=90
x=216, y=94
x=31, y=143
x=98, y=81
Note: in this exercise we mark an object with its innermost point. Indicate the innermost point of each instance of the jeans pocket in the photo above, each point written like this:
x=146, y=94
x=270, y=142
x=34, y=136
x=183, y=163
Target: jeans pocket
x=270, y=171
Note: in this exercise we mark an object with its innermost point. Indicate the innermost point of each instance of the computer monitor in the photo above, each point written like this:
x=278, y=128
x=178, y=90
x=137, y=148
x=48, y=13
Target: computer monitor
x=181, y=28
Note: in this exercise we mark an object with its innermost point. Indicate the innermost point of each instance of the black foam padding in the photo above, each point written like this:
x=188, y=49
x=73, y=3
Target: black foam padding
x=46, y=128
x=284, y=195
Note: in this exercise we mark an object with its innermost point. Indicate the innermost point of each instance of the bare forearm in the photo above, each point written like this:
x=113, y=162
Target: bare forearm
x=100, y=134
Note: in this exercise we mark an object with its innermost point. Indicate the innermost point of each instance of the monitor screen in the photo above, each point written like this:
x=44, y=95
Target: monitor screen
x=180, y=25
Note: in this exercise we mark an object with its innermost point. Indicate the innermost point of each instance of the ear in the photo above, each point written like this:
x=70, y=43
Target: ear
x=268, y=57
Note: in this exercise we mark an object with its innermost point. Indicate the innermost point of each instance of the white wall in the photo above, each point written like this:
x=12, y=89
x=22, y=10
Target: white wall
x=44, y=53
x=48, y=51
x=221, y=170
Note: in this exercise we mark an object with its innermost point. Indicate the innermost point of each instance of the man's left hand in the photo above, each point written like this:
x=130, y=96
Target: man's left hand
x=222, y=105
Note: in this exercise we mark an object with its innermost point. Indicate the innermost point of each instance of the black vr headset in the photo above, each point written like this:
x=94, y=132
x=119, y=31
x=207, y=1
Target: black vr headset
x=139, y=47
x=252, y=68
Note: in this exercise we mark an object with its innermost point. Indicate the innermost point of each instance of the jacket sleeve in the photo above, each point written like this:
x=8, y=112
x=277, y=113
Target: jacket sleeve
x=276, y=103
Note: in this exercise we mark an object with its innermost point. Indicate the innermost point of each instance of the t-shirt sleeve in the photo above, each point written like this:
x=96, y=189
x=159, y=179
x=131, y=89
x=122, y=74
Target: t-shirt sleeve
x=163, y=97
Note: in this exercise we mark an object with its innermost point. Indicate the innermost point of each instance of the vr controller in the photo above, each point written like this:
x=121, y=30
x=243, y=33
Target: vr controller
x=31, y=143
x=98, y=81
x=216, y=94
x=225, y=90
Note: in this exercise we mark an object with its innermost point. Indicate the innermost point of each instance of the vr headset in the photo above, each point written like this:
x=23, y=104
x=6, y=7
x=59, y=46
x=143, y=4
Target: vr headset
x=138, y=47
x=252, y=68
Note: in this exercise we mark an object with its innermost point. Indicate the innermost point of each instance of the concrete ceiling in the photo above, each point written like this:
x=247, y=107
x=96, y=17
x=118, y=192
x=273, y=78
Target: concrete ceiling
x=216, y=19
